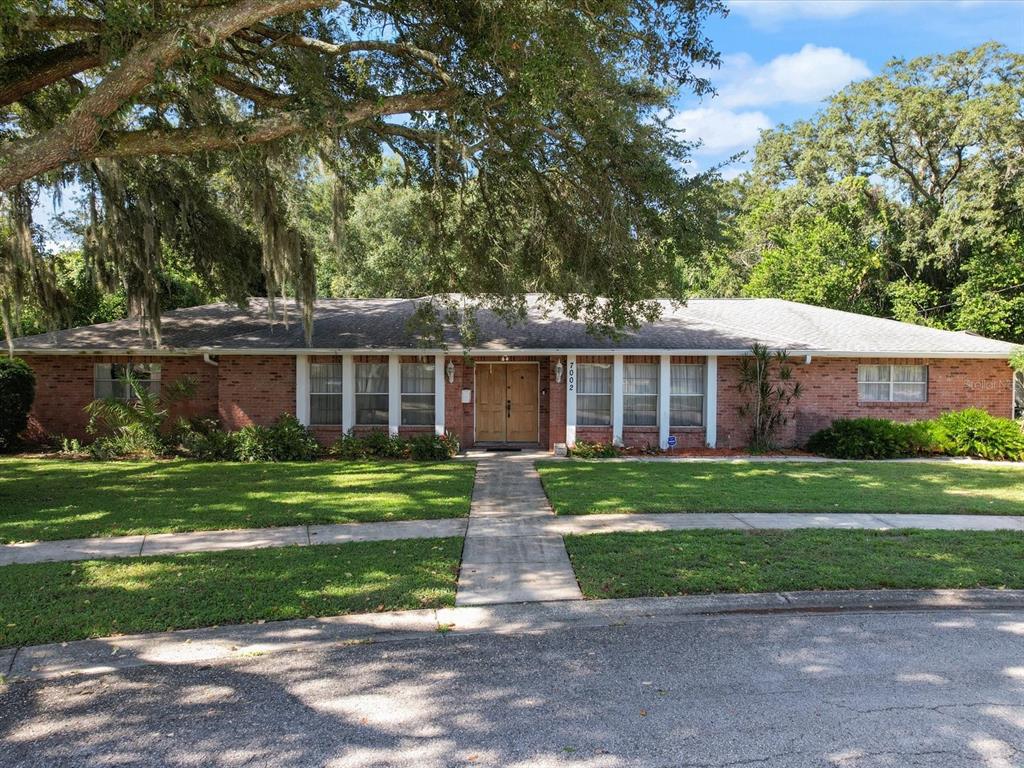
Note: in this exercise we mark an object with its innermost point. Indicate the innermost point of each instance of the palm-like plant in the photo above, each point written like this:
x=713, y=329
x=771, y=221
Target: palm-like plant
x=768, y=378
x=133, y=426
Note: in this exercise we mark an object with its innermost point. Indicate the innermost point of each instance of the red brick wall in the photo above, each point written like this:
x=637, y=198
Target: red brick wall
x=830, y=392
x=255, y=389
x=65, y=385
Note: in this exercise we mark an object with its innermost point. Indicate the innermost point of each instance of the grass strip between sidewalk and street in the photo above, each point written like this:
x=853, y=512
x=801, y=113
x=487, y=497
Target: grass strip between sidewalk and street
x=51, y=602
x=46, y=499
x=706, y=561
x=596, y=487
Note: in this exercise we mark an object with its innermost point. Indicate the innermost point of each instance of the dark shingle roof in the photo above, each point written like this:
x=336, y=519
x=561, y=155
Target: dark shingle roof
x=708, y=325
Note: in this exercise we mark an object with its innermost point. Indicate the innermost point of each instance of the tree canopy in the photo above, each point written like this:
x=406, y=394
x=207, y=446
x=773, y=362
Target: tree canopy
x=196, y=128
x=902, y=198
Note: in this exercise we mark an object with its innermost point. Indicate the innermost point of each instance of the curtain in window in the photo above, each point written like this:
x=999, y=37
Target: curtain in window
x=110, y=379
x=371, y=394
x=594, y=394
x=686, y=404
x=892, y=383
x=417, y=394
x=640, y=395
x=325, y=393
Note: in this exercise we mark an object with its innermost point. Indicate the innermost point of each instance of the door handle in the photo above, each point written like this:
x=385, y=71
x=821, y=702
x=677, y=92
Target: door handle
x=508, y=408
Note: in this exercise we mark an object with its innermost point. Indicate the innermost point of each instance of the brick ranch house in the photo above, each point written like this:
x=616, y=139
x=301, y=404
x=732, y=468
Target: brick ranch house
x=541, y=381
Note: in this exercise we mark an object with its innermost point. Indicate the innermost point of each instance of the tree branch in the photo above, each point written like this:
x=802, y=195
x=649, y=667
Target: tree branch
x=58, y=23
x=247, y=90
x=78, y=135
x=402, y=50
x=27, y=74
x=261, y=130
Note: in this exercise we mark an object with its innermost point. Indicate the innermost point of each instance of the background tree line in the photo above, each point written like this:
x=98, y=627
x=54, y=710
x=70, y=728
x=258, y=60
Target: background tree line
x=901, y=198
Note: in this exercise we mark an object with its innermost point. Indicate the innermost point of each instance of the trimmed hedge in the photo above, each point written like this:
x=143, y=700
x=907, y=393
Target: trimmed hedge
x=381, y=445
x=971, y=432
x=872, y=439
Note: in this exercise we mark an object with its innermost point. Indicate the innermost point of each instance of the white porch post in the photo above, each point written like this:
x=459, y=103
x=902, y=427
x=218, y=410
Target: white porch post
x=664, y=399
x=348, y=393
x=302, y=389
x=617, y=386
x=711, y=401
x=394, y=394
x=570, y=400
x=440, y=381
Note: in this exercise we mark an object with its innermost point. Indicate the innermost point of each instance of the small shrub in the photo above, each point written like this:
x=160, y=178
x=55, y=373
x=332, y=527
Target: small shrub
x=290, y=440
x=204, y=440
x=433, y=447
x=69, y=446
x=129, y=441
x=587, y=450
x=381, y=445
x=252, y=443
x=17, y=390
x=974, y=432
x=349, y=447
x=285, y=440
x=872, y=439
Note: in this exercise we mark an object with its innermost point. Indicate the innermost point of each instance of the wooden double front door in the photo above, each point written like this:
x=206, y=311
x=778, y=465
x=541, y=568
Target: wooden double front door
x=506, y=403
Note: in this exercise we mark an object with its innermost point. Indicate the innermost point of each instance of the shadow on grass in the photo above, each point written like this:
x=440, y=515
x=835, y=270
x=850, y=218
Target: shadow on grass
x=595, y=487
x=56, y=500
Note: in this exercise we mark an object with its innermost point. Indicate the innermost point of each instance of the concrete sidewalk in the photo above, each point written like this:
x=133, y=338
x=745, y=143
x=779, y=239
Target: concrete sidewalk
x=514, y=541
x=218, y=541
x=195, y=646
x=509, y=556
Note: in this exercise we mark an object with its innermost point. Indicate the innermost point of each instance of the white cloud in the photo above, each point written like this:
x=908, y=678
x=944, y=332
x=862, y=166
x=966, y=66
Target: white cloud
x=721, y=130
x=809, y=75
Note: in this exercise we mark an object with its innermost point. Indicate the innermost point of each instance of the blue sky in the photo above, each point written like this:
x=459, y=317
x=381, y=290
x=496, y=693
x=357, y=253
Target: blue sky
x=781, y=58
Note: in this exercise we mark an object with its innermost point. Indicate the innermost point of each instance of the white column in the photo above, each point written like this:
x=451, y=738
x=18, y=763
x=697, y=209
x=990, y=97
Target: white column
x=617, y=386
x=302, y=389
x=570, y=400
x=664, y=399
x=394, y=394
x=440, y=381
x=348, y=393
x=711, y=401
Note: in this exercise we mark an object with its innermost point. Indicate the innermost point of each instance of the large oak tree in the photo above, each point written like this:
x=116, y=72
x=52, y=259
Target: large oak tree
x=192, y=125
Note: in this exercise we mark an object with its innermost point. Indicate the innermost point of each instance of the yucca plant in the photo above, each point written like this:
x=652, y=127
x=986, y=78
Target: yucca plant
x=767, y=378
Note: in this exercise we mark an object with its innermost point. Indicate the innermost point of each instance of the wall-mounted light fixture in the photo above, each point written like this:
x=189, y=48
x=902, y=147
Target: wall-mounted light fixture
x=559, y=370
x=450, y=370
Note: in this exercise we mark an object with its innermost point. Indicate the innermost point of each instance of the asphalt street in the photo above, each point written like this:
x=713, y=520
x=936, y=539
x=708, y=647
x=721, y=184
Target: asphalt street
x=901, y=689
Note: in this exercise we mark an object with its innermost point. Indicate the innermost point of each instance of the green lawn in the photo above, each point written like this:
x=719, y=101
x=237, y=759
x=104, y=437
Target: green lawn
x=52, y=602
x=54, y=499
x=703, y=561
x=594, y=487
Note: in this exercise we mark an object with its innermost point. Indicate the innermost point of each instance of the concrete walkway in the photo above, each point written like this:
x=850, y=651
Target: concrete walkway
x=219, y=541
x=515, y=540
x=197, y=646
x=509, y=556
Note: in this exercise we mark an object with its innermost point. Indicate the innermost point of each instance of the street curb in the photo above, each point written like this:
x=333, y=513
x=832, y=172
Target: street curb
x=194, y=646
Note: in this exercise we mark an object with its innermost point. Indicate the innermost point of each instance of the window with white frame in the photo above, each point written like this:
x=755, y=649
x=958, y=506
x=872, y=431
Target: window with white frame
x=110, y=380
x=417, y=394
x=686, y=401
x=325, y=393
x=640, y=394
x=371, y=394
x=892, y=383
x=594, y=394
